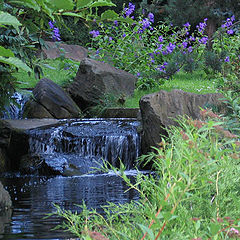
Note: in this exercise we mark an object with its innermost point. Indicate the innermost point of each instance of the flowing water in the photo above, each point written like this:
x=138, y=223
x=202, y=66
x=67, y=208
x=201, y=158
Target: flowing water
x=84, y=144
x=15, y=108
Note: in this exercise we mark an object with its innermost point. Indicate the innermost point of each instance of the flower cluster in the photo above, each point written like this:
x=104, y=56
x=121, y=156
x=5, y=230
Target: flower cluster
x=202, y=25
x=128, y=11
x=94, y=33
x=228, y=24
x=55, y=31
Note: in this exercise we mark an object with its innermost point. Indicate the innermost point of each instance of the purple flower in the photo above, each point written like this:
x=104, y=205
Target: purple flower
x=162, y=67
x=160, y=38
x=94, y=33
x=124, y=35
x=51, y=24
x=202, y=25
x=184, y=44
x=187, y=24
x=145, y=24
x=229, y=22
x=56, y=34
x=227, y=59
x=151, y=17
x=190, y=49
x=203, y=40
x=55, y=31
x=128, y=11
x=170, y=47
x=192, y=38
x=230, y=31
x=138, y=74
x=110, y=39
x=116, y=23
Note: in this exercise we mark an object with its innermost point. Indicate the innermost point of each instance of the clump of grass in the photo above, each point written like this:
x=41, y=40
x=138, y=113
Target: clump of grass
x=194, y=193
x=59, y=71
x=195, y=82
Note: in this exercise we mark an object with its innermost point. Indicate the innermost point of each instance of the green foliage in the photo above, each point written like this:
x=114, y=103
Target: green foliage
x=193, y=193
x=181, y=11
x=106, y=101
x=60, y=71
x=7, y=63
x=76, y=32
x=137, y=49
x=22, y=34
x=226, y=47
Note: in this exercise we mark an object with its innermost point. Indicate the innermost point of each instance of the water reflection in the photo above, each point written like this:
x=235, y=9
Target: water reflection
x=33, y=197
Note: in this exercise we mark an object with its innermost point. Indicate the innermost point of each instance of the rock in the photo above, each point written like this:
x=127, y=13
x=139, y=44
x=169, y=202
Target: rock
x=56, y=164
x=5, y=134
x=50, y=101
x=158, y=111
x=27, y=124
x=74, y=52
x=96, y=79
x=5, y=199
x=5, y=219
x=3, y=160
x=5, y=138
x=13, y=144
x=120, y=113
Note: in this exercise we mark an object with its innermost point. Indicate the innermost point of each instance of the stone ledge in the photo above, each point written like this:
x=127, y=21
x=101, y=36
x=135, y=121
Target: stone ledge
x=121, y=113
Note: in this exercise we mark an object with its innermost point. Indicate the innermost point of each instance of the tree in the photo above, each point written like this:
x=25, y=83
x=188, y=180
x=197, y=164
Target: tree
x=194, y=11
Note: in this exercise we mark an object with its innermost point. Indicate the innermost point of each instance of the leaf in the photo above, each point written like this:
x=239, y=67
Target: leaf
x=8, y=19
x=126, y=20
x=148, y=230
x=102, y=4
x=214, y=228
x=66, y=4
x=83, y=3
x=71, y=14
x=109, y=14
x=28, y=3
x=15, y=62
x=6, y=52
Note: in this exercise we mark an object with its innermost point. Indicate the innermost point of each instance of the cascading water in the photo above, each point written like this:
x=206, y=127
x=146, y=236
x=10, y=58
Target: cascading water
x=83, y=144
x=86, y=143
x=15, y=109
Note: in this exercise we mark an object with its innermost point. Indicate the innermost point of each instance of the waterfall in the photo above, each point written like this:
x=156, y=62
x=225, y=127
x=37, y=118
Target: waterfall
x=88, y=142
x=15, y=108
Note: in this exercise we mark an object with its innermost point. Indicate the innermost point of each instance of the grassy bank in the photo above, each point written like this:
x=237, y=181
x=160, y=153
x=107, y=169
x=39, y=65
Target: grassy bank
x=63, y=73
x=193, y=195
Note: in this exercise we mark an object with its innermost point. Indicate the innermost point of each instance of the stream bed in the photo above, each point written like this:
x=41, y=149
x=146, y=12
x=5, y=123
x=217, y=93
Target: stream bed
x=33, y=197
x=70, y=150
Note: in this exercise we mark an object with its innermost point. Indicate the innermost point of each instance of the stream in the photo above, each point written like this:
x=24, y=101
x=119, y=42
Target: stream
x=74, y=151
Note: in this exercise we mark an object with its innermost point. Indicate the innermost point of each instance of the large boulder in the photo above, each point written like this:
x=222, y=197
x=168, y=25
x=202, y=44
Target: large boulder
x=5, y=138
x=53, y=50
x=5, y=199
x=158, y=111
x=95, y=79
x=50, y=101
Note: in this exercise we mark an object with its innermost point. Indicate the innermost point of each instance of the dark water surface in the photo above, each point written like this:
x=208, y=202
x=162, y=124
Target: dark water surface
x=33, y=197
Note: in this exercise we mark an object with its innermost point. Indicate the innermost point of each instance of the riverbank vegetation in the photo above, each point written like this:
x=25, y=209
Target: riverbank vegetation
x=192, y=193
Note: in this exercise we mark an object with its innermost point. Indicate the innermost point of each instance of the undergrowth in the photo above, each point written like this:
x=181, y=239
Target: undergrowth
x=194, y=192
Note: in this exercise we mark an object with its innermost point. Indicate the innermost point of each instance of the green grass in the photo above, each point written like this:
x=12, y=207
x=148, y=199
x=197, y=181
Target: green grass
x=52, y=69
x=55, y=69
x=195, y=82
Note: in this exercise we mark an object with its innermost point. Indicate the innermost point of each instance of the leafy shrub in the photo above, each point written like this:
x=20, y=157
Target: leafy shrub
x=75, y=32
x=151, y=53
x=193, y=193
